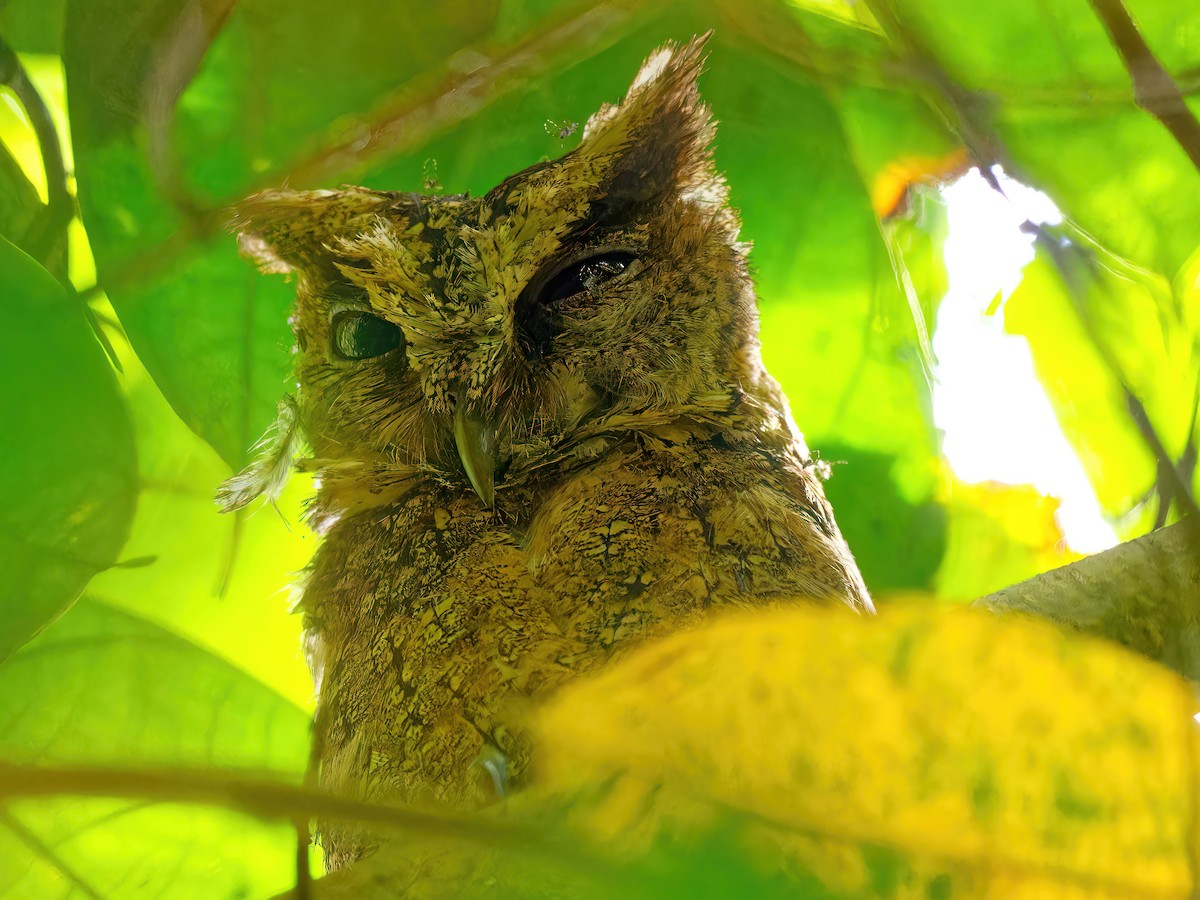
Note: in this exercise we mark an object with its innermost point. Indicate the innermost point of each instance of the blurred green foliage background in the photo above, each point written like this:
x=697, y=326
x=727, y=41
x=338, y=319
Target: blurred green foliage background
x=143, y=357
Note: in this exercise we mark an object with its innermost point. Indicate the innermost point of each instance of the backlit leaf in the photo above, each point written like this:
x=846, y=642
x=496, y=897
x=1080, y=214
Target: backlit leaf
x=69, y=476
x=103, y=687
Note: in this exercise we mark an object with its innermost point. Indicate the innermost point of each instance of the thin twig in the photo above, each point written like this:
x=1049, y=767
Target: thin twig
x=473, y=79
x=303, y=888
x=966, y=113
x=1067, y=261
x=312, y=782
x=1154, y=90
x=97, y=327
x=259, y=797
x=276, y=800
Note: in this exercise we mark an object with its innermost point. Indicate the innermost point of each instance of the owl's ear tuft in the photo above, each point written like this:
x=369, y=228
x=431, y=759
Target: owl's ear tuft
x=285, y=231
x=657, y=140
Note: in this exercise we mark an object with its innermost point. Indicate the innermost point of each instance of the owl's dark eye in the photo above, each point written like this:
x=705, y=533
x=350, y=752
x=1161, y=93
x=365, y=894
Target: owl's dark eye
x=360, y=335
x=539, y=317
x=583, y=275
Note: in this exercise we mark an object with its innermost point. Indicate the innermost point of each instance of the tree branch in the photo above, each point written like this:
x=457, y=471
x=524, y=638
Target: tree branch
x=268, y=799
x=1144, y=594
x=406, y=119
x=472, y=79
x=176, y=61
x=1154, y=90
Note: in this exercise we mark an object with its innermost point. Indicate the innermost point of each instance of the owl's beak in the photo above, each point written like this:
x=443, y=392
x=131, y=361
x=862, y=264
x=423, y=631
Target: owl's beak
x=475, y=438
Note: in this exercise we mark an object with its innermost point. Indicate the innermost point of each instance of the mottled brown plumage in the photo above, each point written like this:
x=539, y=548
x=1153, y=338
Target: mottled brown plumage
x=542, y=432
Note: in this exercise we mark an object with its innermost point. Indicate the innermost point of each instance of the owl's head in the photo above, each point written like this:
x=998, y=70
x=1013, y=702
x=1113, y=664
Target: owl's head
x=485, y=339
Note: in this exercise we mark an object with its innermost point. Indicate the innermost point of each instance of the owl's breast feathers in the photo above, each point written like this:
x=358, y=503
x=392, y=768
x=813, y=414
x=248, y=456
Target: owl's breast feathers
x=434, y=620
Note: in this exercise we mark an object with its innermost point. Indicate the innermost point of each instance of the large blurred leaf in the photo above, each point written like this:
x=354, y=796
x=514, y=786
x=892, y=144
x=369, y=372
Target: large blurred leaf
x=32, y=26
x=69, y=474
x=927, y=753
x=104, y=687
x=923, y=754
x=220, y=581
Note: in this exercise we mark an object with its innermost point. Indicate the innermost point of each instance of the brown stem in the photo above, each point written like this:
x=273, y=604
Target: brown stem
x=175, y=64
x=408, y=119
x=1154, y=90
x=267, y=799
x=472, y=80
x=51, y=228
x=303, y=888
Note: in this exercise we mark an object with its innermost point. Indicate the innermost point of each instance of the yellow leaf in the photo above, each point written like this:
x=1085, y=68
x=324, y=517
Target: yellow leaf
x=949, y=752
x=999, y=534
x=891, y=187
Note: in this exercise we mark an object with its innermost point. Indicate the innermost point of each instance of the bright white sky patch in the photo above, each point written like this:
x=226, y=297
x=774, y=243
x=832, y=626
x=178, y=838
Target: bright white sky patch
x=997, y=421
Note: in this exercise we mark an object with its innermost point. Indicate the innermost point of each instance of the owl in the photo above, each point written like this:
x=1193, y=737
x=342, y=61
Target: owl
x=541, y=432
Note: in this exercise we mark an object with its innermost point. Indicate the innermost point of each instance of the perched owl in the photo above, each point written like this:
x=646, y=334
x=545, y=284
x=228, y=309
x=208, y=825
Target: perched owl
x=542, y=432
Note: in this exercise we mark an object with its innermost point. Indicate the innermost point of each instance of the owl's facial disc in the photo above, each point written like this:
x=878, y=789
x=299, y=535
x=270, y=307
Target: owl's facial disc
x=494, y=341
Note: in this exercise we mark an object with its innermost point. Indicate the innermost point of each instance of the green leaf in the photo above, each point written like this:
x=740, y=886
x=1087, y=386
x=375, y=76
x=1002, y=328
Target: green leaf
x=1061, y=102
x=104, y=687
x=1090, y=328
x=70, y=473
x=278, y=76
x=32, y=26
x=220, y=581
